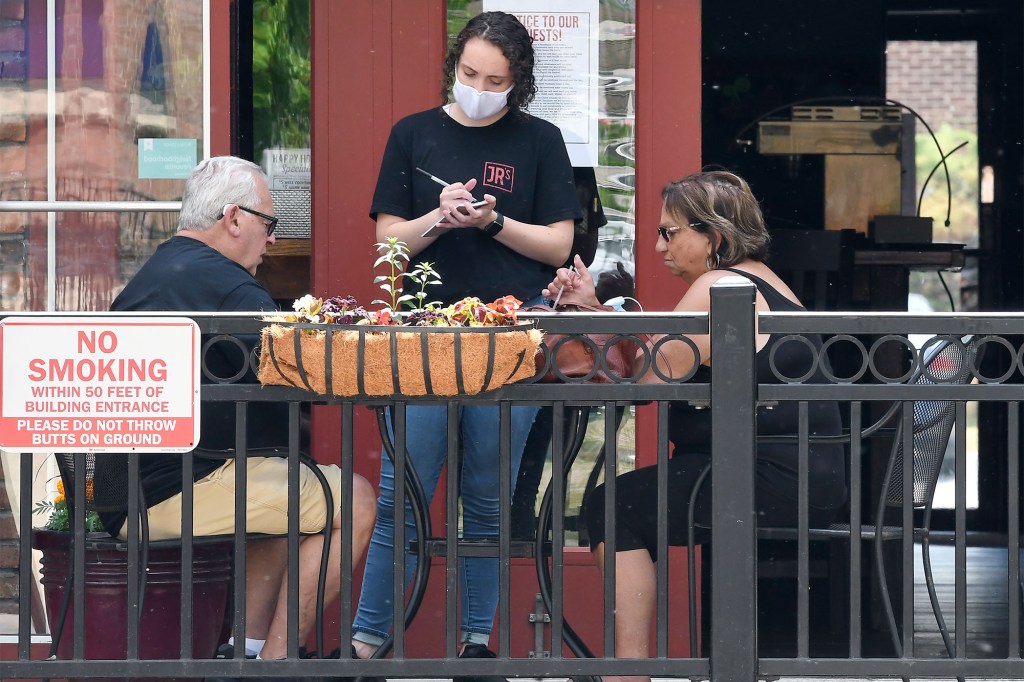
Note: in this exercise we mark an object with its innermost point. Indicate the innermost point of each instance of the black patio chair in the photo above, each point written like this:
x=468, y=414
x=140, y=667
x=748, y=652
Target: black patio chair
x=109, y=474
x=948, y=361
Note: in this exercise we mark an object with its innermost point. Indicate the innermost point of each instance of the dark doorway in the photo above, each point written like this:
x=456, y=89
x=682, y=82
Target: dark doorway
x=762, y=59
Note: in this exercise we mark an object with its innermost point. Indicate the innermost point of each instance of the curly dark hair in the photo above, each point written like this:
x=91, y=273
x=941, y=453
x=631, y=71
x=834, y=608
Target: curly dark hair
x=506, y=33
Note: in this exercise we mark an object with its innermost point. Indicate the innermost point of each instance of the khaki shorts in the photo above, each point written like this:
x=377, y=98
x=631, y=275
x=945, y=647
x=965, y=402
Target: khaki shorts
x=266, y=501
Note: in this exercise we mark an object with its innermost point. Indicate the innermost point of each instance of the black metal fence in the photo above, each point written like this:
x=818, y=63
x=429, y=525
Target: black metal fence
x=871, y=367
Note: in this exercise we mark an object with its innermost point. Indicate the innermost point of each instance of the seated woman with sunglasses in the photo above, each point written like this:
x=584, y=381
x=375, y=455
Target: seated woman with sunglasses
x=711, y=227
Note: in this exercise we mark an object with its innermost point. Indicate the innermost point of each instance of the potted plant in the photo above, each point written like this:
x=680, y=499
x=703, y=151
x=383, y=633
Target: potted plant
x=411, y=347
x=106, y=590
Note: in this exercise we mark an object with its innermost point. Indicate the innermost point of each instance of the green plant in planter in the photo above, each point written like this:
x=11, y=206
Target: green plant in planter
x=395, y=254
x=60, y=519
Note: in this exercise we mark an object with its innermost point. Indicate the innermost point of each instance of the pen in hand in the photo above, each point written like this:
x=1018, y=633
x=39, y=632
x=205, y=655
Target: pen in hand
x=433, y=177
x=572, y=269
x=461, y=208
x=441, y=182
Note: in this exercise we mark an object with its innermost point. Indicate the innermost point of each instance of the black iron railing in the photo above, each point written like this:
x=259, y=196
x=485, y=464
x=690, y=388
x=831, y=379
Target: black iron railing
x=877, y=364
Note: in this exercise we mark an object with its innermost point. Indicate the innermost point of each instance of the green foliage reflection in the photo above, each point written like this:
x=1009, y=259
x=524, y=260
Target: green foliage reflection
x=963, y=177
x=281, y=74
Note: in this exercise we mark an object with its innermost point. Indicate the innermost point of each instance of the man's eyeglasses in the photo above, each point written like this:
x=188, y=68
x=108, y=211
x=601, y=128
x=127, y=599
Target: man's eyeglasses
x=667, y=232
x=271, y=220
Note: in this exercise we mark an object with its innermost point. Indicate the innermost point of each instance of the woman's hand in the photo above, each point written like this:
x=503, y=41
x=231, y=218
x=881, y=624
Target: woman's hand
x=573, y=286
x=456, y=205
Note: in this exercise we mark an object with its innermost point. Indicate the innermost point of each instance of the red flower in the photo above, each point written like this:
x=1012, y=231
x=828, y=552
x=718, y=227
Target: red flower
x=507, y=305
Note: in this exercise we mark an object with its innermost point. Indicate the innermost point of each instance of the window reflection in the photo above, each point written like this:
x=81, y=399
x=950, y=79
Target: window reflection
x=123, y=70
x=151, y=85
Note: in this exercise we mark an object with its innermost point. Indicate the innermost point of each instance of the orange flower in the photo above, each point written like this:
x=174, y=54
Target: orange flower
x=89, y=490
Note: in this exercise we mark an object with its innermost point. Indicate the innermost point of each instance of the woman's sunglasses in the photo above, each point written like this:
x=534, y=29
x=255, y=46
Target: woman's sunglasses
x=667, y=232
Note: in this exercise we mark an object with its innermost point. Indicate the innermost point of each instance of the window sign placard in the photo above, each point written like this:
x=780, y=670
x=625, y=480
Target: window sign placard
x=565, y=42
x=287, y=169
x=166, y=158
x=99, y=384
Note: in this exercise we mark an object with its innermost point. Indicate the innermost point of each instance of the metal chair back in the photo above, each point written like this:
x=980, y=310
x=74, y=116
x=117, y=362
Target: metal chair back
x=106, y=478
x=946, y=361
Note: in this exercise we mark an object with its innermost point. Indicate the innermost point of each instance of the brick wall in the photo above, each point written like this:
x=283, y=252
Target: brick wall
x=13, y=152
x=8, y=553
x=13, y=135
x=938, y=79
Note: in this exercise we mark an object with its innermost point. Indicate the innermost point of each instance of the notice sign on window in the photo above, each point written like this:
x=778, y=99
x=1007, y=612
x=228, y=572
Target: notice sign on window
x=112, y=384
x=565, y=44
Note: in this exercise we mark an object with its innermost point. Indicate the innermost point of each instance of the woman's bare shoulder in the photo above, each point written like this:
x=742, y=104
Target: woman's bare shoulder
x=761, y=270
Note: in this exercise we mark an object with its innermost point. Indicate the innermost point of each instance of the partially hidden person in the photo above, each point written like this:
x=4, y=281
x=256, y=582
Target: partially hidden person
x=711, y=227
x=226, y=223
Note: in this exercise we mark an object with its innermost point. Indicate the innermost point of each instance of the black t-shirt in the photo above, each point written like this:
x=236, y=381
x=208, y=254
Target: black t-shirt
x=186, y=275
x=520, y=160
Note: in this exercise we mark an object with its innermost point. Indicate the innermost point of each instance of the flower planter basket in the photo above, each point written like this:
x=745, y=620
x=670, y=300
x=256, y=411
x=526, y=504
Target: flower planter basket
x=366, y=360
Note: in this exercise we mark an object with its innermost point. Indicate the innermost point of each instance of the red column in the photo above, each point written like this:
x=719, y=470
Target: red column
x=668, y=88
x=373, y=63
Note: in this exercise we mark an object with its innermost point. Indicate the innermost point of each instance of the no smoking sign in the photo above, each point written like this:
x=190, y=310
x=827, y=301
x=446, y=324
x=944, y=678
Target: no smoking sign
x=91, y=384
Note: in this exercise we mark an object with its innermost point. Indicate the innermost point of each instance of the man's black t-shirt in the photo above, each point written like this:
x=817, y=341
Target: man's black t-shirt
x=185, y=274
x=520, y=160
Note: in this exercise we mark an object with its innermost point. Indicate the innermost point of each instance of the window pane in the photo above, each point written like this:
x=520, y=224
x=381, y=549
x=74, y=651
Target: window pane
x=939, y=80
x=281, y=109
x=124, y=71
x=281, y=74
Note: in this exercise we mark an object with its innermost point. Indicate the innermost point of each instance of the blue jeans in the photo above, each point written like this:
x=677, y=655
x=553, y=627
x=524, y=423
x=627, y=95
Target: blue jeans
x=426, y=438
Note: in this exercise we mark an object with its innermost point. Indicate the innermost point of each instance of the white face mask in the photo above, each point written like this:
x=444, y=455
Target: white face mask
x=475, y=104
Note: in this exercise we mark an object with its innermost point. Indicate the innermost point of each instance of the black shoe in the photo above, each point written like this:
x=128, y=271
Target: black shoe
x=336, y=654
x=478, y=651
x=362, y=679
x=228, y=651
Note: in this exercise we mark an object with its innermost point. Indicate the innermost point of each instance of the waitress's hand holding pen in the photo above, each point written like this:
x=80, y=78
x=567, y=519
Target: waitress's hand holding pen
x=458, y=206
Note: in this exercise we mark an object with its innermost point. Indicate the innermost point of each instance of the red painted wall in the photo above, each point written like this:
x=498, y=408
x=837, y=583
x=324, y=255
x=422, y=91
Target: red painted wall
x=221, y=78
x=373, y=62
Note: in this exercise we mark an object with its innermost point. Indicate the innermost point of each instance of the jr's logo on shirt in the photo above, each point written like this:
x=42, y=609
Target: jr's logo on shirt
x=499, y=176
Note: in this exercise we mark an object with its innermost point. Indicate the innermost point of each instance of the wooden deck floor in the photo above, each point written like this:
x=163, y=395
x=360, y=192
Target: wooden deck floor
x=987, y=624
x=987, y=607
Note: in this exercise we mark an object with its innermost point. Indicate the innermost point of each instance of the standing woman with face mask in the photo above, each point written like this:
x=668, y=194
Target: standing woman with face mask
x=482, y=147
